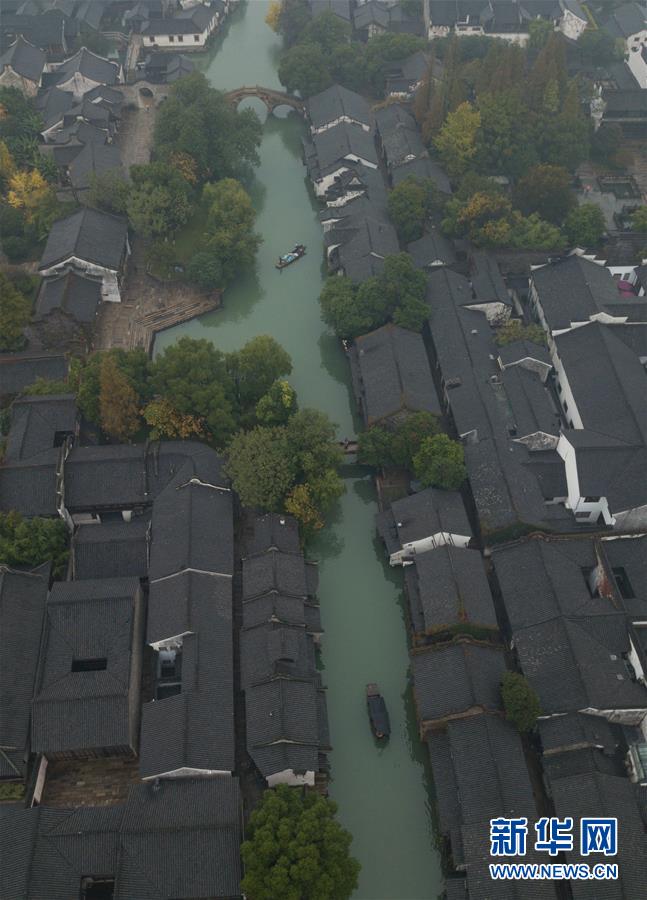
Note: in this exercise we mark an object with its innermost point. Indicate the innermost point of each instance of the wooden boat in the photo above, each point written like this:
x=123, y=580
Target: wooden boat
x=377, y=712
x=287, y=259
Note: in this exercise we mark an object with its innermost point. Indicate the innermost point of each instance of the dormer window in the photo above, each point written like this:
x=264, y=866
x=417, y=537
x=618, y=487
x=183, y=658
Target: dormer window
x=624, y=585
x=93, y=664
x=100, y=887
x=169, y=673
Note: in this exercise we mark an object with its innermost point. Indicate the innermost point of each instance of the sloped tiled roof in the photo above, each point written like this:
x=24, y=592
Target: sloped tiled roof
x=92, y=236
x=24, y=59
x=38, y=424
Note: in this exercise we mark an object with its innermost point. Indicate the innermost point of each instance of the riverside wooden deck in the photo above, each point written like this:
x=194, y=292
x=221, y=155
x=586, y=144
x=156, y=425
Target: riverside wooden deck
x=148, y=306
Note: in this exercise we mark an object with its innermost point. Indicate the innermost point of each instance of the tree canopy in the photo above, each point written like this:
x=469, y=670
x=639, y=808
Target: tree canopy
x=410, y=205
x=158, y=201
x=585, y=225
x=520, y=701
x=396, y=446
x=229, y=232
x=440, y=462
x=296, y=849
x=30, y=542
x=15, y=312
x=397, y=294
x=197, y=121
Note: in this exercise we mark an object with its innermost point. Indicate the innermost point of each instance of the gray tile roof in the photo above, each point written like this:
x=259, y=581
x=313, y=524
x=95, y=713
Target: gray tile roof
x=89, y=709
x=88, y=234
x=573, y=730
x=601, y=795
x=75, y=294
x=334, y=144
x=626, y=20
x=29, y=486
x=53, y=104
x=194, y=728
x=22, y=607
x=338, y=102
x=609, y=392
x=282, y=573
x=110, y=476
x=574, y=289
x=364, y=246
x=192, y=528
x=456, y=677
x=432, y=249
x=283, y=729
x=94, y=160
x=272, y=649
x=340, y=8
x=25, y=60
x=630, y=555
x=486, y=279
x=90, y=65
x=451, y=588
x=392, y=374
x=273, y=531
x=574, y=663
x=428, y=512
x=423, y=167
x=38, y=424
x=111, y=549
x=18, y=370
x=148, y=844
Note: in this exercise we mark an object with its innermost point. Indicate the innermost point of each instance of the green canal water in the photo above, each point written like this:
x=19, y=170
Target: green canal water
x=382, y=792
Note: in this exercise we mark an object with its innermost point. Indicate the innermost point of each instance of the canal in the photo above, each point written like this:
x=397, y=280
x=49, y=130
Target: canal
x=382, y=792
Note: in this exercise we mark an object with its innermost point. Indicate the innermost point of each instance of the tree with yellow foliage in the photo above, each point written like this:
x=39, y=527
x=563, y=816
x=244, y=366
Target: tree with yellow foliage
x=7, y=165
x=273, y=17
x=29, y=191
x=299, y=503
x=185, y=165
x=167, y=422
x=118, y=402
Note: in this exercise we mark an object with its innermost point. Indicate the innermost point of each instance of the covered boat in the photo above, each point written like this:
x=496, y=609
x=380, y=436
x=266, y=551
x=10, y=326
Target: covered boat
x=287, y=259
x=377, y=712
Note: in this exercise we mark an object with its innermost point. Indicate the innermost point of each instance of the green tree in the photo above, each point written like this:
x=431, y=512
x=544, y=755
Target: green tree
x=585, y=225
x=193, y=376
x=539, y=31
x=520, y=701
x=119, y=407
x=294, y=17
x=456, y=142
x=30, y=542
x=255, y=367
x=597, y=47
x=564, y=139
x=545, y=190
x=312, y=442
x=440, y=463
x=158, y=203
x=205, y=271
x=514, y=330
x=109, y=191
x=410, y=205
x=277, y=405
x=261, y=466
x=533, y=233
x=15, y=313
x=134, y=364
x=198, y=122
x=382, y=447
x=339, y=309
x=296, y=848
x=639, y=219
x=504, y=144
x=304, y=68
x=230, y=234
x=43, y=387
x=327, y=31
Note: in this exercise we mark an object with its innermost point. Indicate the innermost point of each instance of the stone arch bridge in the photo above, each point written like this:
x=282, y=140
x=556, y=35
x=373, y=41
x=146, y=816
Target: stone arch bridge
x=271, y=98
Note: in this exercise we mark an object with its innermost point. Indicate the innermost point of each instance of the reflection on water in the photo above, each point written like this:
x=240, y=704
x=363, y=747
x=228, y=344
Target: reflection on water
x=382, y=790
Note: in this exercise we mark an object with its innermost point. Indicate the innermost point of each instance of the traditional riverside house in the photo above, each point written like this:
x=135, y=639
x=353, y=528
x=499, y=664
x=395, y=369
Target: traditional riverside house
x=399, y=137
x=21, y=66
x=391, y=375
x=506, y=417
x=84, y=71
x=628, y=23
x=87, y=695
x=370, y=19
x=111, y=549
x=473, y=671
x=189, y=29
x=91, y=242
x=144, y=847
x=428, y=534
x=343, y=9
x=338, y=104
x=287, y=721
x=49, y=30
x=479, y=772
x=53, y=104
x=330, y=153
x=358, y=248
x=22, y=607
